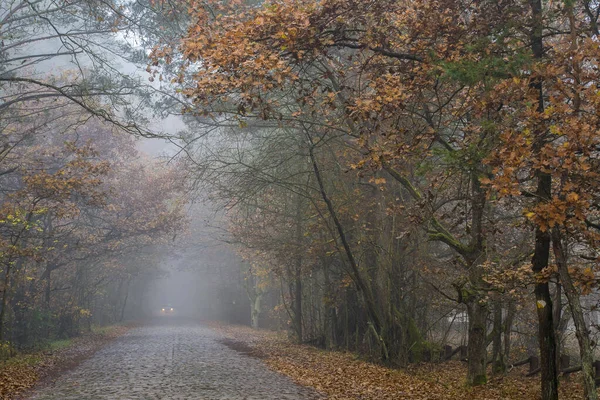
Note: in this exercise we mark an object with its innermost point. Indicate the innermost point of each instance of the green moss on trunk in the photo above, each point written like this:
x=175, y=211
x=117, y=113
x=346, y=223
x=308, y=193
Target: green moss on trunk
x=479, y=380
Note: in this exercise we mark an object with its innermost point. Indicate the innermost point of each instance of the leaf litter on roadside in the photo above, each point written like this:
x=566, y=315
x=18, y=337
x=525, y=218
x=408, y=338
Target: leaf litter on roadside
x=341, y=375
x=22, y=372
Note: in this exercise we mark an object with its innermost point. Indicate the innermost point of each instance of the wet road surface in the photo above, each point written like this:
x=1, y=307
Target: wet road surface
x=171, y=361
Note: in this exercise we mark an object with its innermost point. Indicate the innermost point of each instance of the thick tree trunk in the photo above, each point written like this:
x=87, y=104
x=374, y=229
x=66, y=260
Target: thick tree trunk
x=547, y=337
x=255, y=310
x=477, y=343
x=5, y=290
x=581, y=330
x=477, y=307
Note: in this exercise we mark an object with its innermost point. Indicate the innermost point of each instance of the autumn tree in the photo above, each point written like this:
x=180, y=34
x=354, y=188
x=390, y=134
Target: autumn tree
x=71, y=211
x=461, y=105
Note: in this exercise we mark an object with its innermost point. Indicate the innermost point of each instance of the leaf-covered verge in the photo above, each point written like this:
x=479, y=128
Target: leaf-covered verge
x=342, y=375
x=24, y=371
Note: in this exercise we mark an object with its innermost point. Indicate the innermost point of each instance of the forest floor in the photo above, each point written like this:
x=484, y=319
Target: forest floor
x=341, y=375
x=25, y=371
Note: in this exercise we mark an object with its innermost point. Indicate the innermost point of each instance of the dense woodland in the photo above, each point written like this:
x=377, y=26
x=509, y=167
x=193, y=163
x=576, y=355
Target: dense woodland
x=394, y=176
x=85, y=219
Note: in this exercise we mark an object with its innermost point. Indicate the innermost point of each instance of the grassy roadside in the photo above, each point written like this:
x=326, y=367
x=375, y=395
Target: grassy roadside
x=23, y=371
x=340, y=375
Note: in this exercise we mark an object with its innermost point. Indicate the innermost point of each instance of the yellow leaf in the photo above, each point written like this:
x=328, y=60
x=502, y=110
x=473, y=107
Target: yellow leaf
x=540, y=304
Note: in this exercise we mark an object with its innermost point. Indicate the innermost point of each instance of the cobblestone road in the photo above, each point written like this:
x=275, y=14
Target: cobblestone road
x=180, y=361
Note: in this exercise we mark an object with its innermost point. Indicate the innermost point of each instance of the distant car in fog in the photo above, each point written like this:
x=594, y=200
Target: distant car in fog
x=165, y=310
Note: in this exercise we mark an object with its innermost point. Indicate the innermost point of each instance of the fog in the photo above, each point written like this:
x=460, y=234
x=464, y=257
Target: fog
x=201, y=278
x=198, y=290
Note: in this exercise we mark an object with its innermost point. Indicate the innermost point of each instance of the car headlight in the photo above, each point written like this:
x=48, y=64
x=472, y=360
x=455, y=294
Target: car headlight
x=163, y=309
x=171, y=309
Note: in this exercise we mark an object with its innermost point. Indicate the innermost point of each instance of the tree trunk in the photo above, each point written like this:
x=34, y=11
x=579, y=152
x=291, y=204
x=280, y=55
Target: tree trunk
x=547, y=338
x=48, y=289
x=116, y=308
x=477, y=343
x=256, y=310
x=581, y=330
x=498, y=361
x=557, y=314
x=507, y=329
x=48, y=313
x=298, y=304
x=477, y=307
x=4, y=301
x=125, y=300
x=297, y=271
x=330, y=319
